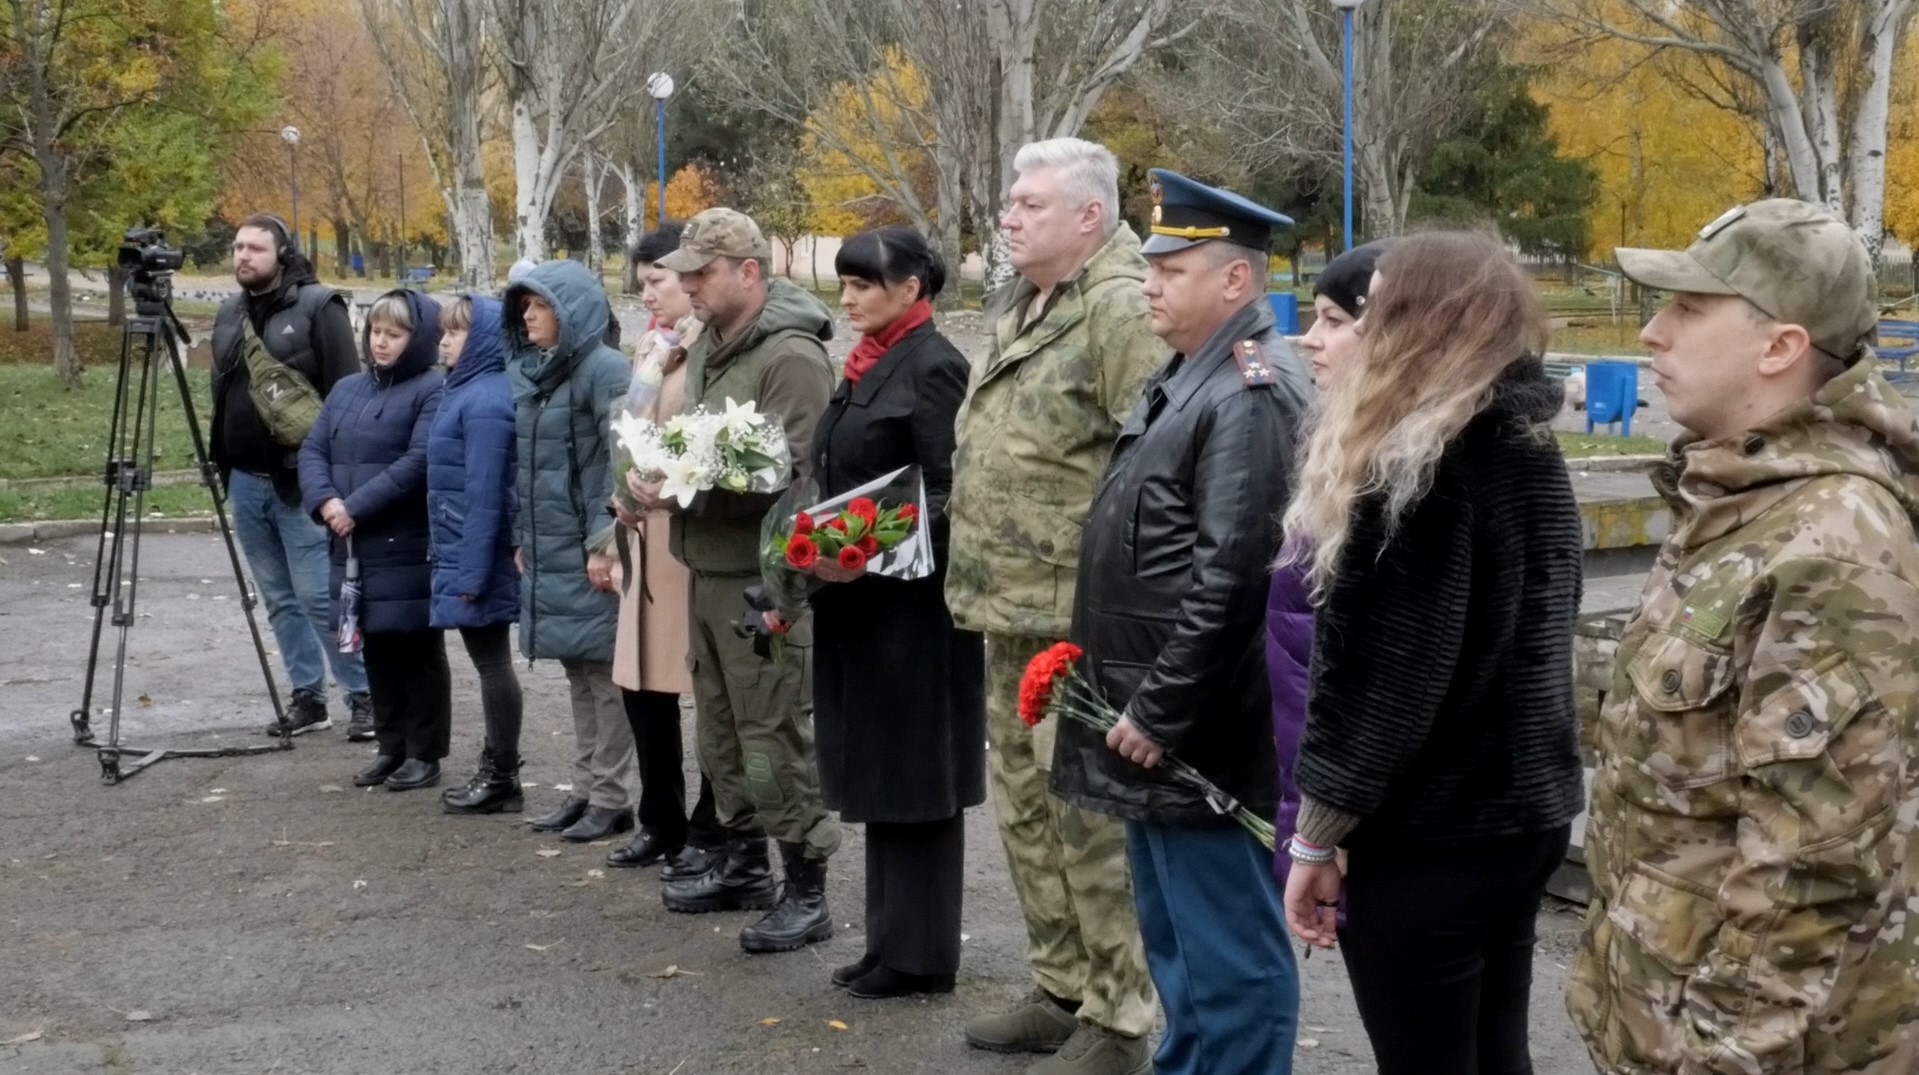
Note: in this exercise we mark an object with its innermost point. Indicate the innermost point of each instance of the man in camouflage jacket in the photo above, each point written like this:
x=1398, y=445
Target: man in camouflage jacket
x=1072, y=348
x=1756, y=898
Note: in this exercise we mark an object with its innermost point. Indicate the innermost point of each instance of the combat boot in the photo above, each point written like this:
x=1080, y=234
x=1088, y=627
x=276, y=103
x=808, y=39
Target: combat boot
x=494, y=788
x=802, y=916
x=741, y=881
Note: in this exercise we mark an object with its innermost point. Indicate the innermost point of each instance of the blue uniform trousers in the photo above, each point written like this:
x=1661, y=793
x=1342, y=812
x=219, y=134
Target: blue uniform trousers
x=1217, y=947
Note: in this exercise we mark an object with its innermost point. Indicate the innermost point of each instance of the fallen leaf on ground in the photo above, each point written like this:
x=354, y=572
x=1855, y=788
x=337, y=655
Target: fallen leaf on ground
x=216, y=791
x=36, y=552
x=31, y=1035
x=548, y=852
x=562, y=787
x=541, y=947
x=146, y=701
x=214, y=799
x=673, y=971
x=596, y=874
x=836, y=1024
x=33, y=757
x=330, y=789
x=1308, y=1043
x=359, y=884
x=769, y=1022
x=139, y=1016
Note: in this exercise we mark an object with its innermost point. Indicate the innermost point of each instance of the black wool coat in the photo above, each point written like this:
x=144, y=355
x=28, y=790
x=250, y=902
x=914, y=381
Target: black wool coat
x=899, y=691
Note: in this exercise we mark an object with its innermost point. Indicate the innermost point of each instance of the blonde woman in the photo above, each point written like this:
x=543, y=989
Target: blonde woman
x=1439, y=537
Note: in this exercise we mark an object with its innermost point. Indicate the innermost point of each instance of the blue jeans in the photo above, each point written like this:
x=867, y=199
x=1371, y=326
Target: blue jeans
x=1216, y=944
x=287, y=554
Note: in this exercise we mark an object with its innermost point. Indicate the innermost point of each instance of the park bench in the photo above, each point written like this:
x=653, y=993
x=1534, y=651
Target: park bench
x=416, y=277
x=1907, y=331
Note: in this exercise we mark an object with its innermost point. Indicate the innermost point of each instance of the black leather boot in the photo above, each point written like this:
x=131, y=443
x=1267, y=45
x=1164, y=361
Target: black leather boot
x=741, y=881
x=563, y=816
x=802, y=916
x=690, y=862
x=383, y=766
x=417, y=773
x=495, y=787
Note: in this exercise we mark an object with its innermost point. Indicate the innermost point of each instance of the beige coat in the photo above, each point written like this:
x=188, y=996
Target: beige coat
x=649, y=652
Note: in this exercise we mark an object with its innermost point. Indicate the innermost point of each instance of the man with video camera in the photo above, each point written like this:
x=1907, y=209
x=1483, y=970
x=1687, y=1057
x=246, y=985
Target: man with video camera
x=279, y=347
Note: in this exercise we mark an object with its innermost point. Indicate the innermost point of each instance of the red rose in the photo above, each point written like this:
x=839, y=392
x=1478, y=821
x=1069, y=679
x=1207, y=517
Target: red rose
x=869, y=546
x=837, y=523
x=909, y=513
x=852, y=559
x=864, y=510
x=802, y=523
x=802, y=553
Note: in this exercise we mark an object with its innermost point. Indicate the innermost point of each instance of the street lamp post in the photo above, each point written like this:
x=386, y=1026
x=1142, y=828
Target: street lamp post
x=291, y=135
x=660, y=85
x=1346, y=9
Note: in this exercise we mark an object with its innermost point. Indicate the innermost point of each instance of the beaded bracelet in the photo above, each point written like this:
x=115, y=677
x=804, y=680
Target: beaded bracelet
x=1306, y=854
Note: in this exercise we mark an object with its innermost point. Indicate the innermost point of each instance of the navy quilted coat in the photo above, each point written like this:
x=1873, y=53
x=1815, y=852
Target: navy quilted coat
x=369, y=449
x=469, y=484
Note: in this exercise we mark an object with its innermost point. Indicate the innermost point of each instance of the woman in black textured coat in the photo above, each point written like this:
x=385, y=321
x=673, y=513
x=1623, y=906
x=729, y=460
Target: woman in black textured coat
x=899, y=702
x=1437, y=526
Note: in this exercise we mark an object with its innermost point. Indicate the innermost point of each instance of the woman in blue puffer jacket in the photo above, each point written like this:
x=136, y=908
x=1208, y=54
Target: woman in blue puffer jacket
x=363, y=474
x=470, y=500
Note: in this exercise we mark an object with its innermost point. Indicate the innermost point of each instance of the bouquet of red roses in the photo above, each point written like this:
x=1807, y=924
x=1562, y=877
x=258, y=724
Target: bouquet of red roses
x=1053, y=684
x=874, y=529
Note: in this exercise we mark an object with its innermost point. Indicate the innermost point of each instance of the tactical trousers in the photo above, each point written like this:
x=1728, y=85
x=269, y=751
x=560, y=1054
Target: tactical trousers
x=1069, y=865
x=754, y=722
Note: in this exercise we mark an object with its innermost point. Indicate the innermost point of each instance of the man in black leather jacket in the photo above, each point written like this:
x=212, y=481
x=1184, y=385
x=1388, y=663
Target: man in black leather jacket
x=1174, y=569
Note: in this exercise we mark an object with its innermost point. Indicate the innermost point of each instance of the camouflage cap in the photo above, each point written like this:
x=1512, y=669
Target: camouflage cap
x=1793, y=260
x=717, y=233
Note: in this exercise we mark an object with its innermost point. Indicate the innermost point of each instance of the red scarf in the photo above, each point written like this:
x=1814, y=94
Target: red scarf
x=874, y=345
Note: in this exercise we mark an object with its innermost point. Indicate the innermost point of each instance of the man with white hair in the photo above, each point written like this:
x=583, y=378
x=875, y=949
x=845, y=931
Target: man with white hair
x=1072, y=348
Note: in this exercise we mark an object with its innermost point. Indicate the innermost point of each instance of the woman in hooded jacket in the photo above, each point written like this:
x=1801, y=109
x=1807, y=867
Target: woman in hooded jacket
x=470, y=499
x=363, y=473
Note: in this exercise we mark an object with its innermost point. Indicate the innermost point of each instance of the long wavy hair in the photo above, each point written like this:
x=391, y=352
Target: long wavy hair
x=1452, y=311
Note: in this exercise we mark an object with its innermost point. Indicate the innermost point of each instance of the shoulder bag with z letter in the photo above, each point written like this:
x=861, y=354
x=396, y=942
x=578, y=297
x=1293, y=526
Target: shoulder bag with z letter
x=287, y=403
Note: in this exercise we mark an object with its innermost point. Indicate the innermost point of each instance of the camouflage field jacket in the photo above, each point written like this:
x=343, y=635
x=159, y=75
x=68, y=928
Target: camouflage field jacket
x=1756, y=899
x=1042, y=411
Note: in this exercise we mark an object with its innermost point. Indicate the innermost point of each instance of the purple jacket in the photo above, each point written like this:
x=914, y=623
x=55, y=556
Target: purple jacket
x=1289, y=653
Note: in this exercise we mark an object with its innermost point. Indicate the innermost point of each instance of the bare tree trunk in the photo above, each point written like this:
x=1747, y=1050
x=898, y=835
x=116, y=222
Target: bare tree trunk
x=342, y=247
x=17, y=277
x=635, y=221
x=472, y=209
x=590, y=176
x=116, y=296
x=66, y=356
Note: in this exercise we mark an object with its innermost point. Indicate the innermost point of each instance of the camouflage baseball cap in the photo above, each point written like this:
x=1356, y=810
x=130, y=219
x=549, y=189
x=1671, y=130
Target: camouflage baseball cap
x=717, y=233
x=1794, y=260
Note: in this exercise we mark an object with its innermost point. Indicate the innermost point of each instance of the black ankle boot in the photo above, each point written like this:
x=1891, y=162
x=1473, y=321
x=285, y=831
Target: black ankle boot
x=741, y=881
x=802, y=916
x=495, y=787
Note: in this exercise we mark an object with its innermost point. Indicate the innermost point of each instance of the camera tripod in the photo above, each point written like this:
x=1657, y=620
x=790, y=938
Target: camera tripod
x=153, y=336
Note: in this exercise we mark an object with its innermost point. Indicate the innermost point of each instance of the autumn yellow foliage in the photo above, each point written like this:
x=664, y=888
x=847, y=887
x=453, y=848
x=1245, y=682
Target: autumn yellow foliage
x=879, y=122
x=1668, y=161
x=1902, y=154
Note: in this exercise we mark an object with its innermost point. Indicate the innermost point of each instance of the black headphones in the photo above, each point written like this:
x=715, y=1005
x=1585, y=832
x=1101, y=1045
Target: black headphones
x=286, y=250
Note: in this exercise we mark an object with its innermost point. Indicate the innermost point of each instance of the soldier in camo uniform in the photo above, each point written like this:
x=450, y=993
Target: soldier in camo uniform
x=1756, y=894
x=1072, y=349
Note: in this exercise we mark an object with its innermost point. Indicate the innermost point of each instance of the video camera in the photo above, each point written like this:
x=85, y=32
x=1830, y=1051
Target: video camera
x=149, y=263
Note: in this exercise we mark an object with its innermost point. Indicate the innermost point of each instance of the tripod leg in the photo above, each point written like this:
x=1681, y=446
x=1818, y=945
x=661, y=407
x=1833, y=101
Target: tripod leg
x=210, y=475
x=106, y=555
x=133, y=484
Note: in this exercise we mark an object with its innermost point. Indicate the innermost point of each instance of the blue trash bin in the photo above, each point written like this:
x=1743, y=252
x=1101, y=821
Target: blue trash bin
x=1612, y=394
x=1285, y=306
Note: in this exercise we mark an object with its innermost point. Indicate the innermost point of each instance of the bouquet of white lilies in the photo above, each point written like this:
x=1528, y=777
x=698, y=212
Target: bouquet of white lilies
x=739, y=451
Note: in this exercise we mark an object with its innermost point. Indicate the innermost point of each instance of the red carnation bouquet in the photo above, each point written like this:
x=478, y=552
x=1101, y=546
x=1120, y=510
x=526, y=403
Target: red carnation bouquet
x=874, y=529
x=1053, y=684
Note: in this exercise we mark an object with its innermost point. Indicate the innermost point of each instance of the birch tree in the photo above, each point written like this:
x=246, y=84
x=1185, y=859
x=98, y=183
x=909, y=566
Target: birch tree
x=433, y=54
x=1823, y=71
x=1270, y=75
x=573, y=71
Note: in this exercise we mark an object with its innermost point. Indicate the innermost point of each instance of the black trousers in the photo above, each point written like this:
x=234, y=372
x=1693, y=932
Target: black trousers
x=1439, y=943
x=501, y=700
x=655, y=719
x=914, y=874
x=412, y=693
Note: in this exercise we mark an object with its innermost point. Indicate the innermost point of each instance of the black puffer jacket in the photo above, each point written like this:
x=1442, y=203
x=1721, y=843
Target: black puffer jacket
x=1173, y=572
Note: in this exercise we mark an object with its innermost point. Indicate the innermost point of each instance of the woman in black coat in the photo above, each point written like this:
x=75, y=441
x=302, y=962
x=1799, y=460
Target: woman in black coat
x=899, y=702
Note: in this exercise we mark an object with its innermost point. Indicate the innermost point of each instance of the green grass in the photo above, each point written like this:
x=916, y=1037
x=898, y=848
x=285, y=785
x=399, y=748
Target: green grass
x=54, y=432
x=1595, y=445
x=84, y=502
